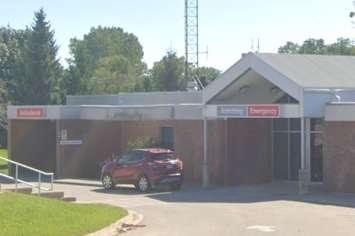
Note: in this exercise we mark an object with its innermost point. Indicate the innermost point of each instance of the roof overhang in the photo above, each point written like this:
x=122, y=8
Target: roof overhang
x=248, y=62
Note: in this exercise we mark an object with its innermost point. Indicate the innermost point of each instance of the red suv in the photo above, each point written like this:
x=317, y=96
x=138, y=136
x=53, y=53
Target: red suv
x=144, y=168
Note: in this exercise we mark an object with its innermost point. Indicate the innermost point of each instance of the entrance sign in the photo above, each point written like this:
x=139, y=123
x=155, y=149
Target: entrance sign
x=264, y=111
x=71, y=142
x=33, y=112
x=234, y=111
x=249, y=111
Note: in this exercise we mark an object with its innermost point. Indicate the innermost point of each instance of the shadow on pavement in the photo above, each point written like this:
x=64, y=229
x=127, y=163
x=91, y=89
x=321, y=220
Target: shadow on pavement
x=256, y=194
x=275, y=191
x=130, y=190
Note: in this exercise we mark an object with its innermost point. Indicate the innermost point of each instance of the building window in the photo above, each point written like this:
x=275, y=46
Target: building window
x=167, y=137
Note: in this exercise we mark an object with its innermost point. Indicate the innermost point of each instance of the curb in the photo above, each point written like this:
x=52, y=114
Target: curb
x=128, y=223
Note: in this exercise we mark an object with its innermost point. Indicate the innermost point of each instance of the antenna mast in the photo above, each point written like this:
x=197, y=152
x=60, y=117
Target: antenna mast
x=191, y=36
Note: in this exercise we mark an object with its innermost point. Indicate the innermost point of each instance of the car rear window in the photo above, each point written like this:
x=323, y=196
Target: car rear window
x=164, y=156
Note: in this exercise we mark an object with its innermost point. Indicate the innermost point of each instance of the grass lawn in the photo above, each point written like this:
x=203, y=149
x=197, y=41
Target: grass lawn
x=3, y=164
x=24, y=215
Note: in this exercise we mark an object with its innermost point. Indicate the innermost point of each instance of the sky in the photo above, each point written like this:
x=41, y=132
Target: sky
x=227, y=27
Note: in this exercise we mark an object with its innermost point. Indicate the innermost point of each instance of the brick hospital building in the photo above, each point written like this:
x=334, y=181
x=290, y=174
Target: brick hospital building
x=268, y=117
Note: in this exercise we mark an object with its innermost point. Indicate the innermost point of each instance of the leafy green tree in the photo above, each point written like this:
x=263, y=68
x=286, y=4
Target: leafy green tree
x=11, y=60
x=342, y=46
x=106, y=60
x=168, y=73
x=42, y=72
x=289, y=48
x=313, y=46
x=206, y=74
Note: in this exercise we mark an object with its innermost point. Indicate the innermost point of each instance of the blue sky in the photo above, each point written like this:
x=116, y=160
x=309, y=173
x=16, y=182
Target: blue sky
x=226, y=26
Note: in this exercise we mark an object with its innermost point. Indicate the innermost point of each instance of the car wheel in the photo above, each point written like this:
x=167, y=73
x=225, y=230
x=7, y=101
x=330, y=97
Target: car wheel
x=107, y=181
x=143, y=184
x=175, y=186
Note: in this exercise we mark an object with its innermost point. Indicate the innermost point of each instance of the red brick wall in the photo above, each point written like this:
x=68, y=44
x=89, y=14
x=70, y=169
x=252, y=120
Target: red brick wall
x=339, y=156
x=34, y=143
x=101, y=138
x=238, y=150
x=217, y=150
x=249, y=151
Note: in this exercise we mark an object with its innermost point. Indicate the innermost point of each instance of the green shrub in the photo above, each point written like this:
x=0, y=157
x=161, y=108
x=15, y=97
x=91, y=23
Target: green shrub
x=144, y=142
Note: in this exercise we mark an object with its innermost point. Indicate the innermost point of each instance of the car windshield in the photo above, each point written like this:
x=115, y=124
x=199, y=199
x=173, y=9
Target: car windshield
x=164, y=156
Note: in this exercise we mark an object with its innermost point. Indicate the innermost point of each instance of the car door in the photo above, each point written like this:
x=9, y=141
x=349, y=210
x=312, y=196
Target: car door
x=121, y=171
x=134, y=167
x=128, y=166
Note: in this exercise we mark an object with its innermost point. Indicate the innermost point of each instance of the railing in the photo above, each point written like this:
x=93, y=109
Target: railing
x=40, y=174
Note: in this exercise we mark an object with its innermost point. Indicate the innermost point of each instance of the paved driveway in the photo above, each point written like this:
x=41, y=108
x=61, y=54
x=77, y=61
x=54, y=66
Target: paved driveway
x=273, y=209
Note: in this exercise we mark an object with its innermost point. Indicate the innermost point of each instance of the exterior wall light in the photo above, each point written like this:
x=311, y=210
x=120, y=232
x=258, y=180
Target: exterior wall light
x=244, y=89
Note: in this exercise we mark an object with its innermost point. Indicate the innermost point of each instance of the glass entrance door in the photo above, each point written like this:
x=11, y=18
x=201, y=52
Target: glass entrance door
x=286, y=137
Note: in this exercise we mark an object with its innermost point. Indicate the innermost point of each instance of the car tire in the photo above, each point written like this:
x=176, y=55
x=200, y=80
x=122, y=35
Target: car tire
x=143, y=185
x=107, y=181
x=175, y=186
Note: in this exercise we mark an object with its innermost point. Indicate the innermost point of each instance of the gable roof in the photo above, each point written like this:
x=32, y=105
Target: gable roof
x=314, y=71
x=290, y=72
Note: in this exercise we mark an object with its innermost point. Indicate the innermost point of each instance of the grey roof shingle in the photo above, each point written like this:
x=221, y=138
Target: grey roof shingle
x=314, y=71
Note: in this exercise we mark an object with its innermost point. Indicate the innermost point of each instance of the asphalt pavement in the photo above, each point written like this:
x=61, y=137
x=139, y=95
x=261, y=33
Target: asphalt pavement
x=273, y=209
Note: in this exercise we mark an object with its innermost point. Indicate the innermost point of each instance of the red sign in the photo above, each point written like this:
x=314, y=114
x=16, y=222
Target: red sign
x=34, y=112
x=264, y=111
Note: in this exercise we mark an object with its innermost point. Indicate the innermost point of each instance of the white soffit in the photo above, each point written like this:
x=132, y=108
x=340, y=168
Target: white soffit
x=251, y=61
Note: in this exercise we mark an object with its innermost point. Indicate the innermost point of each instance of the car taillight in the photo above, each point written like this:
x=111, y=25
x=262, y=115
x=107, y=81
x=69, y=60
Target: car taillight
x=180, y=164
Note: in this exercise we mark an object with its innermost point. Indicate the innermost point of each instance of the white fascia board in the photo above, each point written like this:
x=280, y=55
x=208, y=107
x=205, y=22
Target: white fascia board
x=51, y=112
x=225, y=79
x=340, y=112
x=251, y=61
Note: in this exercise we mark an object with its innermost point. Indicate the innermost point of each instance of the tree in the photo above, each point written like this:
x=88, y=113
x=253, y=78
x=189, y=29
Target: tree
x=11, y=60
x=106, y=60
x=206, y=74
x=40, y=78
x=168, y=73
x=11, y=67
x=343, y=46
x=289, y=48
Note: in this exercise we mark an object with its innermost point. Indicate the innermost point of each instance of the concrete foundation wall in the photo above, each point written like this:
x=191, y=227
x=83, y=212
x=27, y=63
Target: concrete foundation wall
x=339, y=157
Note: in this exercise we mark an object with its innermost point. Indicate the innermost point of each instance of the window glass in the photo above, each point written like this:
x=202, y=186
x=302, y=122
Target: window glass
x=316, y=157
x=125, y=157
x=131, y=157
x=295, y=155
x=317, y=124
x=295, y=124
x=164, y=156
x=280, y=124
x=167, y=137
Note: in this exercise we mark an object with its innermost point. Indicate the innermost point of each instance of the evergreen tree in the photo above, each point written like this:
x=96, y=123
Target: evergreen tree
x=42, y=70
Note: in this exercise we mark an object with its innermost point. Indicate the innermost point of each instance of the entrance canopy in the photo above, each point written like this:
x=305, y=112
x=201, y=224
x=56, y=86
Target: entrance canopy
x=291, y=81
